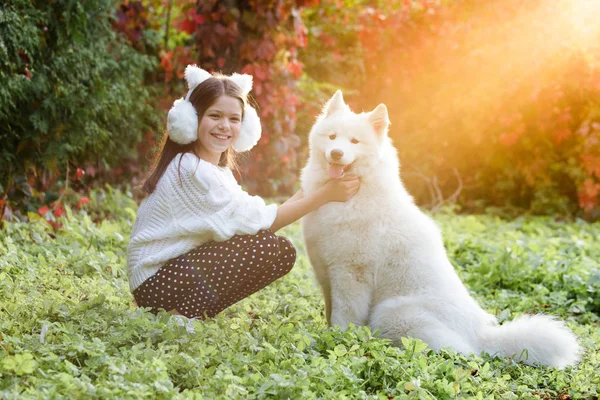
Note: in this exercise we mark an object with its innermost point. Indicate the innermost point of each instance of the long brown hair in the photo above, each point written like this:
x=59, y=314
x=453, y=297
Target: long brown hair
x=202, y=97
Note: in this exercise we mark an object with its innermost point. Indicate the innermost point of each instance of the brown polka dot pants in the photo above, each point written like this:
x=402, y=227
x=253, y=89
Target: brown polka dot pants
x=212, y=277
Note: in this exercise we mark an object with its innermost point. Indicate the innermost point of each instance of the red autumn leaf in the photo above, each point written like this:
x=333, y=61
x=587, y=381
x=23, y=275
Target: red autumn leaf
x=24, y=56
x=188, y=25
x=560, y=135
x=199, y=18
x=326, y=39
x=588, y=194
x=82, y=201
x=248, y=69
x=266, y=50
x=260, y=73
x=257, y=88
x=43, y=210
x=264, y=139
x=165, y=60
x=591, y=163
x=295, y=68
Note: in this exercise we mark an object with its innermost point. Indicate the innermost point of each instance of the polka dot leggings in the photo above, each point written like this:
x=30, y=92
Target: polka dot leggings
x=212, y=277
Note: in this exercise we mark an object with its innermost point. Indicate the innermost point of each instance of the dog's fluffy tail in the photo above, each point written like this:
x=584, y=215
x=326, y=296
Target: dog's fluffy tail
x=533, y=339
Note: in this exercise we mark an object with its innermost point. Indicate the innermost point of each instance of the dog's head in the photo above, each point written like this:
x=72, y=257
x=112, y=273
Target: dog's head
x=342, y=140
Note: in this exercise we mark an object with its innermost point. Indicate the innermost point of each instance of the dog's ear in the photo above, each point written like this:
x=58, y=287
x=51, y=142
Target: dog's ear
x=335, y=104
x=378, y=118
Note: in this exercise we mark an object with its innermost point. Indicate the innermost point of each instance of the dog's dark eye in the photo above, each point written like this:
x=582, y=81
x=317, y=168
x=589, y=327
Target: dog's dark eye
x=332, y=136
x=354, y=141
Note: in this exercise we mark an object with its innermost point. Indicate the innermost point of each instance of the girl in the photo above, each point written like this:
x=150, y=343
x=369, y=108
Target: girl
x=200, y=243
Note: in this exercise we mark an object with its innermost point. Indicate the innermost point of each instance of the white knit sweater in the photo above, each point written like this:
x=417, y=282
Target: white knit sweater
x=203, y=203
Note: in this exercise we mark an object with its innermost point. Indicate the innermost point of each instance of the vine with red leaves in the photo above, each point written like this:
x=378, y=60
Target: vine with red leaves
x=260, y=38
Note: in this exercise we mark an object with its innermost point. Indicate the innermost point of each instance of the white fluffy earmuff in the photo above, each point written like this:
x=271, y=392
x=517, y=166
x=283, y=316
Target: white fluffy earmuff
x=182, y=121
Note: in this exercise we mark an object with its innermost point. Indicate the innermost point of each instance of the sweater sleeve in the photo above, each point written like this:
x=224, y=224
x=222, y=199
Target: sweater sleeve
x=252, y=213
x=219, y=204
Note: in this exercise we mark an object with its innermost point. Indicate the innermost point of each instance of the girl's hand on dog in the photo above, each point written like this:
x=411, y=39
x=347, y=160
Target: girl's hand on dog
x=342, y=189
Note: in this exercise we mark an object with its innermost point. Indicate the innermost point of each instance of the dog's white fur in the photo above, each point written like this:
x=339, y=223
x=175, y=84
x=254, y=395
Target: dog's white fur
x=381, y=262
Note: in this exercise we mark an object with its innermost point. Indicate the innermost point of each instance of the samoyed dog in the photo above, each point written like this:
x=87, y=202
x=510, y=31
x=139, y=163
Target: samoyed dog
x=381, y=262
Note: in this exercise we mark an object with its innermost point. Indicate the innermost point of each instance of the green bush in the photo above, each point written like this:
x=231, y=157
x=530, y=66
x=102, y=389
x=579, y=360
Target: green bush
x=70, y=90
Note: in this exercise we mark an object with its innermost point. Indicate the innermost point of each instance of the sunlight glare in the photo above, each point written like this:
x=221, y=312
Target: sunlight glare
x=584, y=18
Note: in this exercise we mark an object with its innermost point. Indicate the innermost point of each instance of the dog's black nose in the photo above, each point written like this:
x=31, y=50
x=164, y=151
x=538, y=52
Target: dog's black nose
x=336, y=154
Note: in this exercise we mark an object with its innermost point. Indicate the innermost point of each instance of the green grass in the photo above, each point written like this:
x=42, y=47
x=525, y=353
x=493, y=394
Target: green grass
x=68, y=327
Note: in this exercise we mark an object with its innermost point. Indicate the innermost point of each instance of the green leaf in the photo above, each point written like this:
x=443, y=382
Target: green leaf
x=21, y=364
x=340, y=350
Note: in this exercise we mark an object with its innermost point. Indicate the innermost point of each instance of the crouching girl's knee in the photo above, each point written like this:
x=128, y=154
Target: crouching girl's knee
x=287, y=252
x=273, y=248
x=266, y=238
x=286, y=246
x=265, y=247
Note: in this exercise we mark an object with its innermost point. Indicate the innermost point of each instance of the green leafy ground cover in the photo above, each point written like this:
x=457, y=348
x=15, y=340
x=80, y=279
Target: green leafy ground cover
x=68, y=327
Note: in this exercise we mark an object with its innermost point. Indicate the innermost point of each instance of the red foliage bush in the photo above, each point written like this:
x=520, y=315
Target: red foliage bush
x=257, y=37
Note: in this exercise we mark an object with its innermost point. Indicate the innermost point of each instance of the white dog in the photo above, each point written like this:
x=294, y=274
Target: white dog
x=380, y=261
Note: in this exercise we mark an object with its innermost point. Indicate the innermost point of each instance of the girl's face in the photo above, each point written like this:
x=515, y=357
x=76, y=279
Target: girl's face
x=218, y=128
